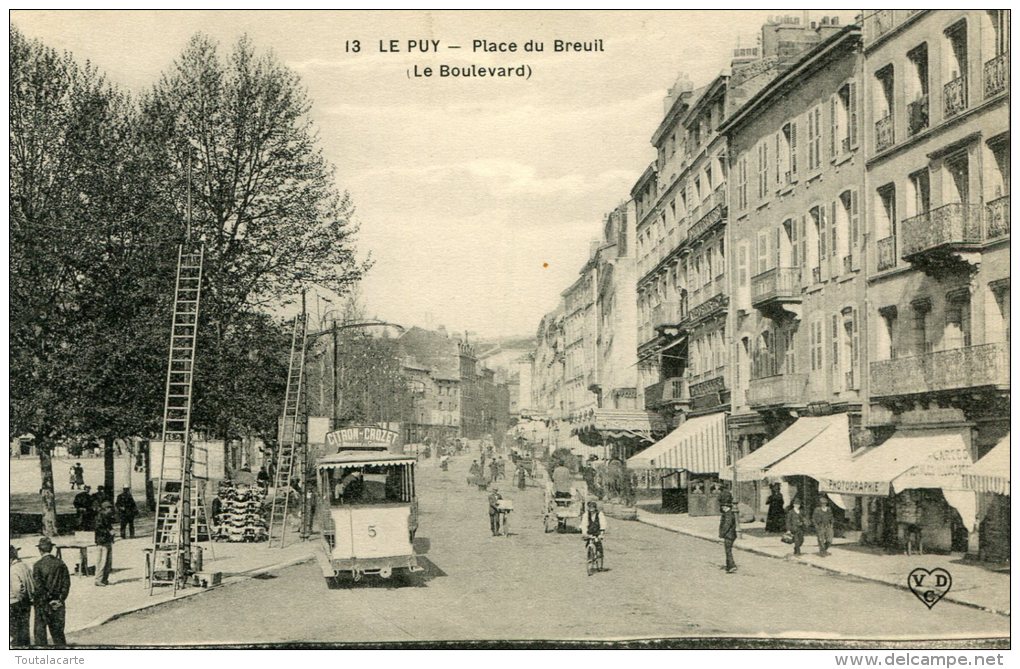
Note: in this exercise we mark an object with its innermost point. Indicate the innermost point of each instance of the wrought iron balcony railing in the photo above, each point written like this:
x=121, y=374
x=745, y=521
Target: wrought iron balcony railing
x=996, y=75
x=955, y=224
x=778, y=390
x=953, y=369
x=780, y=284
x=885, y=135
x=954, y=97
x=997, y=218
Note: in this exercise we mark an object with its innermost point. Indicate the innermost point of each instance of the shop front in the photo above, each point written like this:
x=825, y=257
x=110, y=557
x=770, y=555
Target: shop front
x=697, y=449
x=910, y=489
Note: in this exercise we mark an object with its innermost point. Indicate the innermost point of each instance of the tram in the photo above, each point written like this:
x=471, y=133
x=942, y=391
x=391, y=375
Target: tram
x=368, y=509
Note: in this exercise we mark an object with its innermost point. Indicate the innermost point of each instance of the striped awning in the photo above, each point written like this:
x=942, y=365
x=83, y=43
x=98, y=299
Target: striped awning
x=697, y=446
x=754, y=466
x=820, y=454
x=990, y=473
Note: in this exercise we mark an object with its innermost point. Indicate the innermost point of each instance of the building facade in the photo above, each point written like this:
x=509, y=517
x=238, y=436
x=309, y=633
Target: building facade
x=936, y=119
x=796, y=240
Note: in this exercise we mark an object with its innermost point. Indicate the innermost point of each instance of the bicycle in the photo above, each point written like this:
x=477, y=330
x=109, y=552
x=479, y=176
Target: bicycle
x=595, y=554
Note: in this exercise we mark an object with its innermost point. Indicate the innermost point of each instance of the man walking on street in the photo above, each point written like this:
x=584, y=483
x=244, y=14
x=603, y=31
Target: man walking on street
x=728, y=529
x=104, y=539
x=52, y=584
x=795, y=525
x=494, y=498
x=822, y=518
x=22, y=590
x=128, y=510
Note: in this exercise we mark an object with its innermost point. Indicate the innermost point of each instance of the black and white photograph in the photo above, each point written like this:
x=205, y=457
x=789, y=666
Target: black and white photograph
x=510, y=330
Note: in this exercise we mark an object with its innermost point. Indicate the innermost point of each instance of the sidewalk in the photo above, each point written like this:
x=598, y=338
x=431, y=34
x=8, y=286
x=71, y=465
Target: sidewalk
x=973, y=585
x=90, y=606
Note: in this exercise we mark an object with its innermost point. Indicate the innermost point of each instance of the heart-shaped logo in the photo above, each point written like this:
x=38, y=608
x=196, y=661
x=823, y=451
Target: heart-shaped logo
x=930, y=585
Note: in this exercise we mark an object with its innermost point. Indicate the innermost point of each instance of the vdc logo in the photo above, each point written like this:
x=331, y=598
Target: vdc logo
x=930, y=585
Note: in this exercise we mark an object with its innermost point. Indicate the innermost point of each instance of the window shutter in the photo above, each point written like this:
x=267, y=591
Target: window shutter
x=794, y=244
x=775, y=246
x=832, y=127
x=793, y=147
x=822, y=225
x=802, y=235
x=779, y=166
x=835, y=343
x=855, y=229
x=835, y=260
x=852, y=115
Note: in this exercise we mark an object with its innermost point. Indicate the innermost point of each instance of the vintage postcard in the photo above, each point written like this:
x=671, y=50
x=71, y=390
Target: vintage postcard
x=511, y=329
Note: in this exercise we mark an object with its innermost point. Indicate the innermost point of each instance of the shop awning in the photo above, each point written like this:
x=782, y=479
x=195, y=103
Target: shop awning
x=754, y=466
x=990, y=473
x=615, y=424
x=698, y=446
x=911, y=458
x=826, y=449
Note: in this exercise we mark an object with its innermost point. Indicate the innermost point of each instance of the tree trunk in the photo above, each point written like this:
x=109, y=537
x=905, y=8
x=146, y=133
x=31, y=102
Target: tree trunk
x=150, y=490
x=46, y=492
x=109, y=467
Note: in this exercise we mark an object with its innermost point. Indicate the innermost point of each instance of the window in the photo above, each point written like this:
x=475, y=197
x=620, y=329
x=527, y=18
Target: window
x=814, y=138
x=789, y=357
x=742, y=182
x=999, y=19
x=821, y=230
x=834, y=334
x=763, y=169
x=790, y=232
x=954, y=93
x=885, y=223
x=763, y=252
x=885, y=135
x=922, y=339
x=957, y=186
x=844, y=119
x=887, y=334
x=817, y=345
x=789, y=145
x=958, y=323
x=920, y=185
x=917, y=90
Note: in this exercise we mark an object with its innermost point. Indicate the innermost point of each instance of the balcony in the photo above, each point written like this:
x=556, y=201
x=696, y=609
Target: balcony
x=716, y=384
x=954, y=97
x=669, y=314
x=997, y=218
x=781, y=390
x=917, y=115
x=986, y=365
x=671, y=391
x=709, y=213
x=939, y=239
x=776, y=292
x=996, y=75
x=713, y=306
x=886, y=253
x=884, y=133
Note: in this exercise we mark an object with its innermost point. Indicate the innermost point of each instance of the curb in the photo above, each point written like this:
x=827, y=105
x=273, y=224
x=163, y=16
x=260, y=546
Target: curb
x=236, y=578
x=831, y=570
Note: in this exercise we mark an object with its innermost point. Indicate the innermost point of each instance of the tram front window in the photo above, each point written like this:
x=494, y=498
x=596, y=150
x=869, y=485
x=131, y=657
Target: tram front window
x=366, y=485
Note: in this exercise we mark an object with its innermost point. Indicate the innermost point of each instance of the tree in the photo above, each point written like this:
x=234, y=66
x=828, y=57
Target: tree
x=263, y=196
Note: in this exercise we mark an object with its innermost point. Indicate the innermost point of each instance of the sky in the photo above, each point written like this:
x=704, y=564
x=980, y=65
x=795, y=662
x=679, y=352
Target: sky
x=477, y=197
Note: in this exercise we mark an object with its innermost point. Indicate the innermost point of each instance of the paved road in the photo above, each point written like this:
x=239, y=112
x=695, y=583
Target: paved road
x=533, y=585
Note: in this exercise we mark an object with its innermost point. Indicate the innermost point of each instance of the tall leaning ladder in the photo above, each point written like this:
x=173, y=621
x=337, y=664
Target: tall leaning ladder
x=172, y=534
x=291, y=433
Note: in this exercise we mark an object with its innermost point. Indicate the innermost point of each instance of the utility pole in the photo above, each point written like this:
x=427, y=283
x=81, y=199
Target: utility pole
x=335, y=413
x=302, y=429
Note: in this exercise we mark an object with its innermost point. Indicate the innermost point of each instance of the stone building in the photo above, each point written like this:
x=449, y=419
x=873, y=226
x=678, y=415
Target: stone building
x=796, y=240
x=936, y=202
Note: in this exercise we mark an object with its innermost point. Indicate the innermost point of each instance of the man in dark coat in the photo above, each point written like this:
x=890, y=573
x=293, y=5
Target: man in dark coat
x=22, y=590
x=83, y=505
x=104, y=539
x=52, y=584
x=128, y=510
x=823, y=522
x=795, y=525
x=494, y=498
x=728, y=528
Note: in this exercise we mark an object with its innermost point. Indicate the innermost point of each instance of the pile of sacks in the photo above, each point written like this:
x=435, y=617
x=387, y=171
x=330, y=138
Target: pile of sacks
x=241, y=514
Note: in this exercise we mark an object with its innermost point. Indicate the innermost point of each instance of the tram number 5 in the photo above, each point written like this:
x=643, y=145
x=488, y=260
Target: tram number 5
x=371, y=531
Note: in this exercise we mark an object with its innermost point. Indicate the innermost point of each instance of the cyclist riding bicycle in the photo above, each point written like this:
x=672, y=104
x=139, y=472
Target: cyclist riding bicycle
x=593, y=527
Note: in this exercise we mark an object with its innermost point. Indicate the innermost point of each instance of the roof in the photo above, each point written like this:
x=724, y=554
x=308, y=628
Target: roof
x=791, y=77
x=365, y=457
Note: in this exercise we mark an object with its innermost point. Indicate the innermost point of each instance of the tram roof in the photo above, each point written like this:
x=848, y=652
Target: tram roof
x=345, y=458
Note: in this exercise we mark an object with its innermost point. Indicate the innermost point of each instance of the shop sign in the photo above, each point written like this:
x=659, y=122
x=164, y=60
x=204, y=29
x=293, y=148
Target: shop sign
x=880, y=488
x=942, y=469
x=361, y=436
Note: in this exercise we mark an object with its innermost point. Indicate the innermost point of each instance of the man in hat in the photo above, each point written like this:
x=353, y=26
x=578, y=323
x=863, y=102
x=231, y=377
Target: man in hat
x=104, y=540
x=795, y=525
x=494, y=498
x=593, y=526
x=22, y=589
x=728, y=528
x=52, y=583
x=83, y=505
x=823, y=521
x=128, y=510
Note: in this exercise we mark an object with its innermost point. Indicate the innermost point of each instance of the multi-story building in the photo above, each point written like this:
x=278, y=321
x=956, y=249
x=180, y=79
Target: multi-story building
x=615, y=422
x=796, y=241
x=936, y=201
x=683, y=284
x=580, y=322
